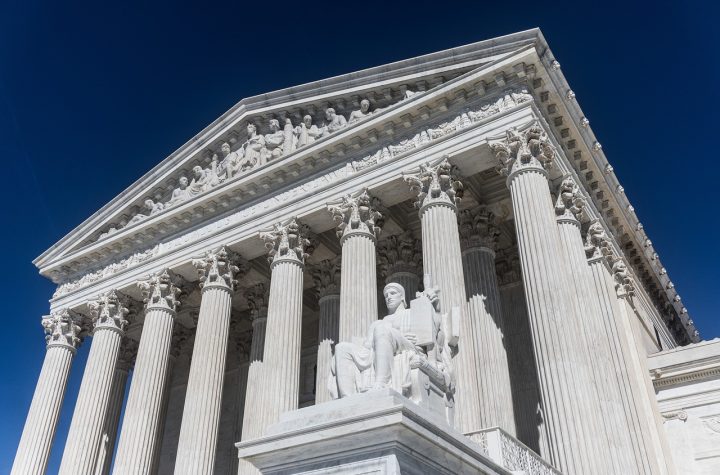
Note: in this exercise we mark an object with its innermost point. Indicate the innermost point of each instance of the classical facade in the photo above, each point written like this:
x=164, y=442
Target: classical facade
x=442, y=235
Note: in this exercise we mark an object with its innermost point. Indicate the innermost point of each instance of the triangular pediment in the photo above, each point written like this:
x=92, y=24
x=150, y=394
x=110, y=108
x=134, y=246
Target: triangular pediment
x=158, y=204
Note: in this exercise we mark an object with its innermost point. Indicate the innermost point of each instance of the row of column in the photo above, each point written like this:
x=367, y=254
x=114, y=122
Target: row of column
x=594, y=418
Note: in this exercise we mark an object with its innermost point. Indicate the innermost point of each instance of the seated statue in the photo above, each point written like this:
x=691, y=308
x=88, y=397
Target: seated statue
x=407, y=350
x=203, y=180
x=252, y=149
x=230, y=163
x=273, y=142
x=180, y=193
x=150, y=207
x=335, y=121
x=361, y=113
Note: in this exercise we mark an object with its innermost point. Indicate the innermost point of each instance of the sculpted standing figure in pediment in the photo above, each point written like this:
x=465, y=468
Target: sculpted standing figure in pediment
x=335, y=121
x=252, y=149
x=307, y=132
x=230, y=163
x=361, y=113
x=180, y=193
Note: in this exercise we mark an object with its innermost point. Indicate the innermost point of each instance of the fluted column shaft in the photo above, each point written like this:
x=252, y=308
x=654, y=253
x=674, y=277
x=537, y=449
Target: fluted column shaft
x=86, y=429
x=39, y=431
x=138, y=439
x=358, y=285
x=633, y=397
x=484, y=309
x=328, y=331
x=550, y=312
x=201, y=414
x=591, y=340
x=112, y=419
x=442, y=261
x=282, y=348
x=252, y=424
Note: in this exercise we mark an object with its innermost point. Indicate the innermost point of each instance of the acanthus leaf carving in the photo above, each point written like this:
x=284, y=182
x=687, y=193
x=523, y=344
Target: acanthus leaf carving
x=63, y=328
x=220, y=267
x=477, y=228
x=288, y=241
x=400, y=253
x=109, y=310
x=523, y=150
x=326, y=277
x=357, y=213
x=257, y=298
x=570, y=201
x=161, y=290
x=435, y=184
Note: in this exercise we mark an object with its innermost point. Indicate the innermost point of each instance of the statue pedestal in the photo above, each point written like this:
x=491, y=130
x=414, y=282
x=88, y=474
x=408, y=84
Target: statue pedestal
x=378, y=431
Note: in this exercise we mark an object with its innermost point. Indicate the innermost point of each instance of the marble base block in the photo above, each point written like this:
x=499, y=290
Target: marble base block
x=375, y=432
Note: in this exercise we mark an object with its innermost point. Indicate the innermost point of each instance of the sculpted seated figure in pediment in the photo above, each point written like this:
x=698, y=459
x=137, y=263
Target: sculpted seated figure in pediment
x=361, y=113
x=230, y=163
x=180, y=193
x=203, y=180
x=150, y=207
x=273, y=141
x=252, y=149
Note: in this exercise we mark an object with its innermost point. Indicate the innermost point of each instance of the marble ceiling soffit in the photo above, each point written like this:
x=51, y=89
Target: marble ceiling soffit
x=372, y=83
x=511, y=100
x=306, y=161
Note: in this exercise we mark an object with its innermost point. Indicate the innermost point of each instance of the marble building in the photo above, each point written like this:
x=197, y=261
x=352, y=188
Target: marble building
x=217, y=289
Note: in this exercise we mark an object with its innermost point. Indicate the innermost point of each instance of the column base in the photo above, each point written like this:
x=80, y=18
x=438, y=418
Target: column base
x=375, y=432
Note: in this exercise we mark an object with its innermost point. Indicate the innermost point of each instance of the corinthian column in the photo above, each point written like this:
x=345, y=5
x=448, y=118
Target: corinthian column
x=615, y=330
x=400, y=259
x=142, y=422
x=439, y=191
x=63, y=337
x=201, y=415
x=126, y=360
x=326, y=276
x=287, y=245
x=478, y=237
x=257, y=299
x=359, y=225
x=86, y=429
x=552, y=308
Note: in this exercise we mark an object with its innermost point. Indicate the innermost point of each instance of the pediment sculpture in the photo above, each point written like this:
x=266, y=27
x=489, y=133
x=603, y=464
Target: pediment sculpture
x=407, y=350
x=255, y=151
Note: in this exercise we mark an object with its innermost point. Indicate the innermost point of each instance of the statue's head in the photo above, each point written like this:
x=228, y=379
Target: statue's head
x=330, y=113
x=251, y=129
x=225, y=148
x=308, y=121
x=183, y=182
x=274, y=125
x=394, y=294
x=197, y=170
x=364, y=105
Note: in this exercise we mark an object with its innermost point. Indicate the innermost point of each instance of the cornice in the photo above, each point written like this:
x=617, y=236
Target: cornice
x=469, y=56
x=340, y=148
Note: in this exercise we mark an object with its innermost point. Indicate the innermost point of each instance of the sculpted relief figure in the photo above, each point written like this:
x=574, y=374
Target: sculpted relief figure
x=180, y=193
x=306, y=133
x=150, y=207
x=203, y=180
x=230, y=163
x=361, y=113
x=274, y=142
x=335, y=121
x=252, y=149
x=406, y=350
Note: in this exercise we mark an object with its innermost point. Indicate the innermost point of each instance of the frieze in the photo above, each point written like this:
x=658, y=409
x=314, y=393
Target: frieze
x=467, y=118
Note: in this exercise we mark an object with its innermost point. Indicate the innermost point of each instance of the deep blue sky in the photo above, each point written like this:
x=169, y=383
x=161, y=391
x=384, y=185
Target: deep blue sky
x=93, y=94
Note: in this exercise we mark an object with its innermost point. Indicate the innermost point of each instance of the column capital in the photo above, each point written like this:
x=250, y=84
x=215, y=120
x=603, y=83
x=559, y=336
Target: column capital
x=63, y=329
x=436, y=184
x=477, y=229
x=257, y=298
x=507, y=267
x=597, y=243
x=400, y=253
x=357, y=213
x=289, y=241
x=326, y=277
x=522, y=151
x=161, y=290
x=220, y=268
x=624, y=284
x=108, y=312
x=570, y=203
